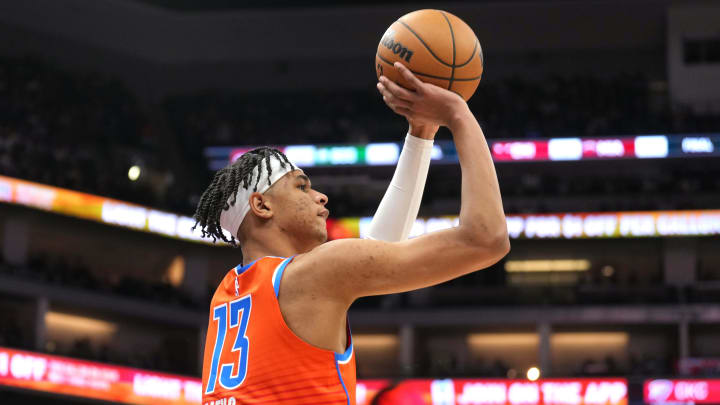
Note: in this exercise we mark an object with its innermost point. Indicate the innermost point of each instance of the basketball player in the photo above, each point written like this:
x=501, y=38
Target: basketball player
x=278, y=330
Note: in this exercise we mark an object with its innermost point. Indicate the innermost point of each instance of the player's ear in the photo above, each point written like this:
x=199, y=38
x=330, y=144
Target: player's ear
x=261, y=206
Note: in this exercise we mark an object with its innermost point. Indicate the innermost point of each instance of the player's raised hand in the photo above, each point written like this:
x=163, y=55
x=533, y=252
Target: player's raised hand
x=423, y=103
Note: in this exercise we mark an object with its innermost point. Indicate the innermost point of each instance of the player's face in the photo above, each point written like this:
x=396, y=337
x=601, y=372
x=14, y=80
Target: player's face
x=302, y=211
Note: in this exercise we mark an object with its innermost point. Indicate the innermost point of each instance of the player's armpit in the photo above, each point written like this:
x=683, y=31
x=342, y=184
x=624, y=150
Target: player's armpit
x=351, y=268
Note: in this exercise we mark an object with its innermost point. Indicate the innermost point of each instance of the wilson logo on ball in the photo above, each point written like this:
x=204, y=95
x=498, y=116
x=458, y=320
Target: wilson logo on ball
x=388, y=41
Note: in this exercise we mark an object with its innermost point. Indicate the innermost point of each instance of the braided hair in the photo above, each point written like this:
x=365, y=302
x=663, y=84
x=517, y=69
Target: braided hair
x=225, y=185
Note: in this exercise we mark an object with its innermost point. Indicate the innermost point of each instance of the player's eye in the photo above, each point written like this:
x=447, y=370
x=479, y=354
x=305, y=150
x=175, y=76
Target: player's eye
x=303, y=187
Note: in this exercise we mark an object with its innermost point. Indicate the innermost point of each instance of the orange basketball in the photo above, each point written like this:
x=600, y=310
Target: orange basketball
x=435, y=45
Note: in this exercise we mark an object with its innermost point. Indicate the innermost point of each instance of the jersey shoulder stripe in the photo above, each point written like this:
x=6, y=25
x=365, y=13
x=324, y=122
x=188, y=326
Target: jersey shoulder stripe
x=277, y=275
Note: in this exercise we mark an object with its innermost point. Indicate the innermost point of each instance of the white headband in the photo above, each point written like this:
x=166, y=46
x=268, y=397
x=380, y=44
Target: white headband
x=231, y=219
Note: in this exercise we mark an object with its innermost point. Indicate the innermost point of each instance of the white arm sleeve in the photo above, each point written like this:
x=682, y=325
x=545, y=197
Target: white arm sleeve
x=399, y=207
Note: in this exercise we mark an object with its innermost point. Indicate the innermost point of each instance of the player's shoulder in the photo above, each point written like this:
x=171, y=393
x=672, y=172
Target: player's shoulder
x=340, y=251
x=310, y=267
x=342, y=268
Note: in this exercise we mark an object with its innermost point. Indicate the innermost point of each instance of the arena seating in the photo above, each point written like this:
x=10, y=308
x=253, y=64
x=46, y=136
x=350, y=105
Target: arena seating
x=89, y=130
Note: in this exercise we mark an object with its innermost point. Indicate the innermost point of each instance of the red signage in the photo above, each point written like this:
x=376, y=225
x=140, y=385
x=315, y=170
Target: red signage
x=612, y=391
x=95, y=380
x=608, y=148
x=564, y=149
x=132, y=386
x=559, y=149
x=519, y=150
x=694, y=391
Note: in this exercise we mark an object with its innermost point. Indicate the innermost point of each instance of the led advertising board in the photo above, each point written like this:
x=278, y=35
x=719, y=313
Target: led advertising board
x=623, y=224
x=61, y=375
x=509, y=150
x=682, y=391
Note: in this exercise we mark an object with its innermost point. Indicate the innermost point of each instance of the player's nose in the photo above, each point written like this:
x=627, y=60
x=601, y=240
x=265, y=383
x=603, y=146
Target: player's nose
x=321, y=198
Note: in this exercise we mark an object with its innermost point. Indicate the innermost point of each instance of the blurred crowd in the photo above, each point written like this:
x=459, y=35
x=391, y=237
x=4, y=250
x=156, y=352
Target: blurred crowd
x=527, y=191
x=72, y=273
x=11, y=332
x=512, y=107
x=84, y=131
x=73, y=130
x=530, y=191
x=600, y=285
x=161, y=357
x=455, y=365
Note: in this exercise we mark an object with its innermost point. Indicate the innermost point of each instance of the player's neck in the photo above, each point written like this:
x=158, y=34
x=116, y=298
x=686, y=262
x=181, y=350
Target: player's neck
x=254, y=249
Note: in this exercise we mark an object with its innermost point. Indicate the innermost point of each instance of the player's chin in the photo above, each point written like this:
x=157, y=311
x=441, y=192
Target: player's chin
x=320, y=229
x=322, y=235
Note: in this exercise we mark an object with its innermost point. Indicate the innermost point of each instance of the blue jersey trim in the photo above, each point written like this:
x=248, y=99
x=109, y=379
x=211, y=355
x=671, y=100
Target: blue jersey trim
x=337, y=367
x=277, y=277
x=241, y=269
x=343, y=358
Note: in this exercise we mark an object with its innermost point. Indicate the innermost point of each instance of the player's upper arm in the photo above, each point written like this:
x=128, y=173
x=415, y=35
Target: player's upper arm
x=352, y=268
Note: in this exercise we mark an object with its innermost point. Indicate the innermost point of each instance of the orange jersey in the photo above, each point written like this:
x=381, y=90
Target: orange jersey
x=252, y=356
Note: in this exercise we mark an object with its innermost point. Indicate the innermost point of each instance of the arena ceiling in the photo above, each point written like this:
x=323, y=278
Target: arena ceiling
x=213, y=5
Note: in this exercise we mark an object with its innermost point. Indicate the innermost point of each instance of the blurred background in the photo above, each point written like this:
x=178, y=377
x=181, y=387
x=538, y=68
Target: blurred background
x=603, y=118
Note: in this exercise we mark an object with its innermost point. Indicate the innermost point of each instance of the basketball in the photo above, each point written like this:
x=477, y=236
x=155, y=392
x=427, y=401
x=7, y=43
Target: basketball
x=438, y=47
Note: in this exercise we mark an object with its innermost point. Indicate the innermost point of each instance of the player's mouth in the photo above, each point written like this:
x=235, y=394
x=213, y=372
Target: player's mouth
x=324, y=213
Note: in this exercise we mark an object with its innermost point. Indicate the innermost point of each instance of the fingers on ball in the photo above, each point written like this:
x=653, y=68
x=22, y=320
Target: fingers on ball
x=392, y=98
x=400, y=91
x=387, y=94
x=394, y=103
x=383, y=90
x=391, y=91
x=409, y=76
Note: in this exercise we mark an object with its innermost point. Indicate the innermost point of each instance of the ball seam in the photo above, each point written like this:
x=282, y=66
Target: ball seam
x=424, y=43
x=467, y=79
x=452, y=38
x=472, y=55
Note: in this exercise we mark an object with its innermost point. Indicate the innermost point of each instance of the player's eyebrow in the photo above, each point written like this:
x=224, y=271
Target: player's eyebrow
x=306, y=178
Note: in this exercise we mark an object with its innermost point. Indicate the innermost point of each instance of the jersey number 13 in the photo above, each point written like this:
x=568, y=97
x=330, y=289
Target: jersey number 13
x=239, y=310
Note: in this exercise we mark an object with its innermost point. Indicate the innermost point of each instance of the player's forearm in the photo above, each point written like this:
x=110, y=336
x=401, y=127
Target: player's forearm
x=482, y=219
x=399, y=207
